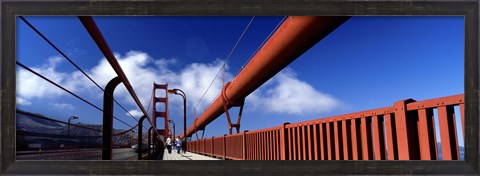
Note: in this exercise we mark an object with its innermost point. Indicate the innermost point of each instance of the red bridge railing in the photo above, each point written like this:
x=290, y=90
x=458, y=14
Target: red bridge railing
x=404, y=131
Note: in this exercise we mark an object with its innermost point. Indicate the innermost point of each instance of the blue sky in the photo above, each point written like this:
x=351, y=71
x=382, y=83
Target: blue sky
x=366, y=63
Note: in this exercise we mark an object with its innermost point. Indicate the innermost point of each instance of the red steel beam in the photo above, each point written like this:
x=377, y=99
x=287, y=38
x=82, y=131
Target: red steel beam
x=390, y=137
x=290, y=146
x=401, y=130
x=272, y=143
x=283, y=142
x=363, y=132
x=295, y=143
x=425, y=134
x=436, y=102
x=344, y=138
x=296, y=35
x=448, y=133
x=309, y=137
x=329, y=143
x=315, y=142
x=353, y=131
x=322, y=144
x=264, y=145
x=304, y=144
x=103, y=46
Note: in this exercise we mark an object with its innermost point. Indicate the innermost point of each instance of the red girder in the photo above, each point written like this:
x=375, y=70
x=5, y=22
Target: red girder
x=295, y=36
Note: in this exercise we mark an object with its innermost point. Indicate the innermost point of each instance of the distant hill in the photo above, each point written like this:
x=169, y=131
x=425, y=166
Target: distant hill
x=28, y=121
x=33, y=122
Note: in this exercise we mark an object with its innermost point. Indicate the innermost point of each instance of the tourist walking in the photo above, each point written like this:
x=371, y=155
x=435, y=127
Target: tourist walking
x=169, y=145
x=178, y=143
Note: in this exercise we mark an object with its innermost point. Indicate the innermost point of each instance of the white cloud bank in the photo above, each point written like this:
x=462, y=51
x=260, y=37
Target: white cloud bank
x=135, y=113
x=63, y=106
x=22, y=101
x=31, y=86
x=285, y=93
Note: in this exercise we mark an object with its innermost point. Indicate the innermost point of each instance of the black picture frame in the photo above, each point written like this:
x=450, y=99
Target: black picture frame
x=467, y=8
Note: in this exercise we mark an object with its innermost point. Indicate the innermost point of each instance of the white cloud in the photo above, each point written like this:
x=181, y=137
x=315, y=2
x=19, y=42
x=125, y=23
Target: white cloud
x=63, y=106
x=164, y=63
x=32, y=86
x=135, y=113
x=22, y=101
x=284, y=93
x=196, y=78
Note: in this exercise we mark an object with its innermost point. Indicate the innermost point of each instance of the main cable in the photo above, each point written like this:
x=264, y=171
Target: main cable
x=253, y=54
x=264, y=41
x=225, y=62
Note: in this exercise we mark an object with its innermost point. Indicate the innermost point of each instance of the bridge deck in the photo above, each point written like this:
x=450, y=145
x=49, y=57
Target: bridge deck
x=187, y=156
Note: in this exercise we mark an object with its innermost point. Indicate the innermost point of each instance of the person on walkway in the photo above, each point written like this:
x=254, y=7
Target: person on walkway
x=169, y=145
x=178, y=143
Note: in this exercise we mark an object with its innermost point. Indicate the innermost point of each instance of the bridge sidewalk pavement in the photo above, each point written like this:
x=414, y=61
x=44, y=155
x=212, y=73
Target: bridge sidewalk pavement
x=187, y=156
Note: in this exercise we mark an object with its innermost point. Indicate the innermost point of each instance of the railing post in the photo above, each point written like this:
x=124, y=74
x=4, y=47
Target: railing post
x=108, y=118
x=283, y=142
x=212, y=143
x=401, y=129
x=224, y=147
x=140, y=124
x=244, y=144
x=149, y=141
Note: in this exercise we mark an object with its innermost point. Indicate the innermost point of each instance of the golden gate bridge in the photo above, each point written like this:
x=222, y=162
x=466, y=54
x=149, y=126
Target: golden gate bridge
x=404, y=130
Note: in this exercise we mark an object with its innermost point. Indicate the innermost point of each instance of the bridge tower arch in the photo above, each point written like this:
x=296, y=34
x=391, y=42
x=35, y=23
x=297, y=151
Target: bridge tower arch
x=163, y=100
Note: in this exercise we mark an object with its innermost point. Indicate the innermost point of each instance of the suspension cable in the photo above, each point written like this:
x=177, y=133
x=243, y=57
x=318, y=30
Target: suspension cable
x=73, y=63
x=264, y=41
x=151, y=97
x=148, y=108
x=225, y=62
x=126, y=131
x=253, y=54
x=66, y=90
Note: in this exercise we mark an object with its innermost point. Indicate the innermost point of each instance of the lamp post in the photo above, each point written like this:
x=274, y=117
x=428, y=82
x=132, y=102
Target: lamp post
x=181, y=93
x=171, y=121
x=69, y=119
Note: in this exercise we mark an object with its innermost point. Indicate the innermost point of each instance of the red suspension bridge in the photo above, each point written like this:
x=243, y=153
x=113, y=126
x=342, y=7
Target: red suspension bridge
x=405, y=130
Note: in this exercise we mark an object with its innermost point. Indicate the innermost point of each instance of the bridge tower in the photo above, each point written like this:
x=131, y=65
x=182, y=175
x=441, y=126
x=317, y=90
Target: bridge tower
x=163, y=99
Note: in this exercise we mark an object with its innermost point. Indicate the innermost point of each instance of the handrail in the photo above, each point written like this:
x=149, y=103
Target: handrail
x=405, y=131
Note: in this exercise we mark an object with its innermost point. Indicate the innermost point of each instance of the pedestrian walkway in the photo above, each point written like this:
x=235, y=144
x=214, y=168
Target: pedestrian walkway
x=185, y=156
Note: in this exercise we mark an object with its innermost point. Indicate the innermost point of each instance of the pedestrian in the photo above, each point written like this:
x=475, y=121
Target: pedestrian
x=169, y=145
x=178, y=143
